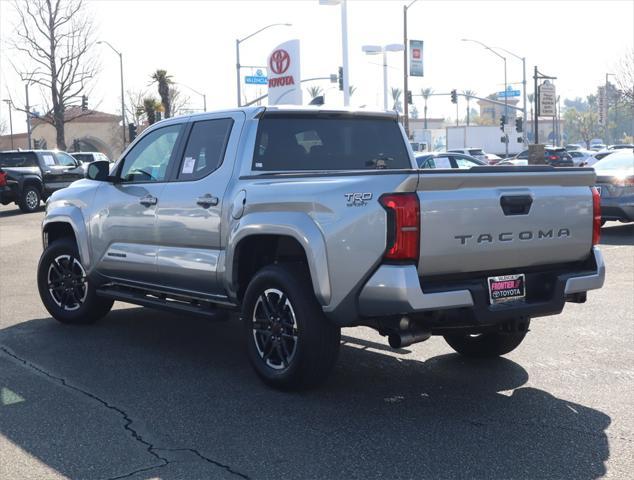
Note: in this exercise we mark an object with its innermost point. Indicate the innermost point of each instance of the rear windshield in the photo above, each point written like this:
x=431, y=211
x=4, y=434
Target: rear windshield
x=83, y=157
x=616, y=161
x=476, y=151
x=18, y=159
x=310, y=142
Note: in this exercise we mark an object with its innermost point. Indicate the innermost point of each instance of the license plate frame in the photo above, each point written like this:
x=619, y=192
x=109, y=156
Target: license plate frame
x=506, y=288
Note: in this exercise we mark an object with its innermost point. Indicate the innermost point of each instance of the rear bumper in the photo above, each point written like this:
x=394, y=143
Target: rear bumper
x=617, y=208
x=397, y=290
x=7, y=195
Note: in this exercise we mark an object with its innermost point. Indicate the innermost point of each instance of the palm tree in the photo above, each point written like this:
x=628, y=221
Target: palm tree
x=315, y=91
x=351, y=89
x=150, y=105
x=164, y=81
x=426, y=93
x=396, y=96
x=469, y=94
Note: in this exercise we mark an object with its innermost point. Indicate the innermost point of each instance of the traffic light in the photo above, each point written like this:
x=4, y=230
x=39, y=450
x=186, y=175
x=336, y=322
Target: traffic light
x=340, y=78
x=131, y=132
x=502, y=122
x=518, y=124
x=84, y=103
x=454, y=96
x=409, y=97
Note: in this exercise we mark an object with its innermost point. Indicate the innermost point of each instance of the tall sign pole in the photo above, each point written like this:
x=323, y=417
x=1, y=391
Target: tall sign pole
x=405, y=73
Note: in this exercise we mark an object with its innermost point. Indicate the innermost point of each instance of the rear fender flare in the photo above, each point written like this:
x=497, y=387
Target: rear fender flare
x=297, y=225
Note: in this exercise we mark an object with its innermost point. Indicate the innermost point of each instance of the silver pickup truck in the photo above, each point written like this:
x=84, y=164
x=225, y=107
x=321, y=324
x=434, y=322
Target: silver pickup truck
x=310, y=220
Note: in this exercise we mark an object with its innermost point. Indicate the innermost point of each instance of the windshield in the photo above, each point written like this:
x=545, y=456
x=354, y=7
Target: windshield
x=83, y=157
x=338, y=142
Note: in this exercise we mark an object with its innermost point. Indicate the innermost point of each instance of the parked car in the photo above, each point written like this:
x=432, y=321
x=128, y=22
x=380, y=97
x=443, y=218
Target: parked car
x=447, y=160
x=514, y=162
x=621, y=146
x=598, y=146
x=581, y=156
x=472, y=152
x=573, y=146
x=555, y=156
x=30, y=176
x=310, y=220
x=601, y=154
x=492, y=158
x=89, y=157
x=615, y=182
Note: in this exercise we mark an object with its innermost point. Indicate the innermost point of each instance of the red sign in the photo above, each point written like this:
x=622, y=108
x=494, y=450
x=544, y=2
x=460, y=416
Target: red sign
x=280, y=61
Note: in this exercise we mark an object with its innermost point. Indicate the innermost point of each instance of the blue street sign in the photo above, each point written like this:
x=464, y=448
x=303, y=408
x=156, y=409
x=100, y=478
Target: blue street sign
x=509, y=93
x=256, y=80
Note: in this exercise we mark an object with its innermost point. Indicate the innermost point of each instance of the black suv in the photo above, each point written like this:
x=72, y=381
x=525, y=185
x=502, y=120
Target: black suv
x=555, y=156
x=30, y=176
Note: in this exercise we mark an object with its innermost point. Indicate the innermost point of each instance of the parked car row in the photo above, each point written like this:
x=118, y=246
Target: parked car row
x=28, y=177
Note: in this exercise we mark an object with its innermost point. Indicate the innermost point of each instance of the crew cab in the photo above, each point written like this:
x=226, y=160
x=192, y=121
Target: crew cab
x=307, y=221
x=29, y=176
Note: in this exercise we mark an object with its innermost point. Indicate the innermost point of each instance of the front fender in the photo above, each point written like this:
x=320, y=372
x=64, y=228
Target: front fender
x=64, y=212
x=297, y=225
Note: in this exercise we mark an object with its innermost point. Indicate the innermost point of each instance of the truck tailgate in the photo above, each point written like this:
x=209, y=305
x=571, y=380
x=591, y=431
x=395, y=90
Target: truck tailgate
x=494, y=218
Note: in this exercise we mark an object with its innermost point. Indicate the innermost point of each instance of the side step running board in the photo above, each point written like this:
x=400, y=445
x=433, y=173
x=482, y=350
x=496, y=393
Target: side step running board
x=162, y=301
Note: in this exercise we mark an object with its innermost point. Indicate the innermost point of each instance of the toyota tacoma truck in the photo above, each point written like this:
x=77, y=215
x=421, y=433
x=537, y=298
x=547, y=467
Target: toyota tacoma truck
x=310, y=220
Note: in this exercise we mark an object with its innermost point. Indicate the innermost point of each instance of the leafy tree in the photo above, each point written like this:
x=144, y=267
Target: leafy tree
x=581, y=125
x=163, y=82
x=55, y=39
x=351, y=89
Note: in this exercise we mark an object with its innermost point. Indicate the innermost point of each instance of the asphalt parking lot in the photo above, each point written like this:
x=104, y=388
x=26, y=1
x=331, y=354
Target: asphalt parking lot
x=146, y=394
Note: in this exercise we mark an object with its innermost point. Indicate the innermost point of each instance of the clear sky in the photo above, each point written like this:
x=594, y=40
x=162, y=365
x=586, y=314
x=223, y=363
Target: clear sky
x=577, y=41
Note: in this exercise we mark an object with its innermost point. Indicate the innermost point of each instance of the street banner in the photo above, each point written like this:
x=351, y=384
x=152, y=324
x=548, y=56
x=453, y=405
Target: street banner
x=284, y=74
x=416, y=58
x=603, y=111
x=547, y=99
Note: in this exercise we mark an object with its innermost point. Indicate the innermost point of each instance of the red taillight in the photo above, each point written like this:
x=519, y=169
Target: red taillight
x=553, y=157
x=403, y=236
x=596, y=216
x=3, y=179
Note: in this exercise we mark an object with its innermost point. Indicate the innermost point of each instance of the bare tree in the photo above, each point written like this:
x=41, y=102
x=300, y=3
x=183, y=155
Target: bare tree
x=134, y=107
x=179, y=102
x=55, y=39
x=625, y=79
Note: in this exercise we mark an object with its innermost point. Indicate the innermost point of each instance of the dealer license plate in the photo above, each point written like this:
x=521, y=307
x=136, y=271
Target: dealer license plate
x=506, y=288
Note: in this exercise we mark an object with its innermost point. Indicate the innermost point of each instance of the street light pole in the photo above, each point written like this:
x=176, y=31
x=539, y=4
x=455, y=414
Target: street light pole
x=28, y=116
x=197, y=93
x=344, y=53
x=123, y=121
x=238, y=42
x=506, y=109
x=523, y=59
x=405, y=72
x=8, y=102
x=375, y=50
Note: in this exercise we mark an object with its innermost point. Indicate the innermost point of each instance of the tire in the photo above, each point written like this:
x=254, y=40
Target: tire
x=30, y=199
x=68, y=299
x=294, y=346
x=486, y=345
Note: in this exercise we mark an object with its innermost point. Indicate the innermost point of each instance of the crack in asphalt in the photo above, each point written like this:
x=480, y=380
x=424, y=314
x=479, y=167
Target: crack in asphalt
x=150, y=448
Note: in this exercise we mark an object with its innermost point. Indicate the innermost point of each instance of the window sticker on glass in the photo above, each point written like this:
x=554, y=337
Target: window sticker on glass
x=442, y=162
x=48, y=160
x=188, y=165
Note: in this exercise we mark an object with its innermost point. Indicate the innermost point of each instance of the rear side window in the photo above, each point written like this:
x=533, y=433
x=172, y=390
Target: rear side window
x=18, y=159
x=476, y=151
x=311, y=142
x=205, y=148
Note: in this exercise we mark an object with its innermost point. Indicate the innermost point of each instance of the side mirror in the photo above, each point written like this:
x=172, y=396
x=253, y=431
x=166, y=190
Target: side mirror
x=98, y=170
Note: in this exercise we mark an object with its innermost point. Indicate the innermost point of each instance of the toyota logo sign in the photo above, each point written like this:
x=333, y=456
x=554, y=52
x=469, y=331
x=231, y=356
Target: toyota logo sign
x=279, y=61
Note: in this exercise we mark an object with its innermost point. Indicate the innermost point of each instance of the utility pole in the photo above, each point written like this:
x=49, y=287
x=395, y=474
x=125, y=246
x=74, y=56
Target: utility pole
x=27, y=107
x=9, y=105
x=607, y=109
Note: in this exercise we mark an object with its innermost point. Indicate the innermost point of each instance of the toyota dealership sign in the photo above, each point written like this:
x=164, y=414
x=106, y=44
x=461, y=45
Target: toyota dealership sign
x=284, y=74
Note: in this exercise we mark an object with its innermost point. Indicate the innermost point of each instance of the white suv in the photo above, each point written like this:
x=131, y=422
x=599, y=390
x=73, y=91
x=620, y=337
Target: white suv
x=473, y=152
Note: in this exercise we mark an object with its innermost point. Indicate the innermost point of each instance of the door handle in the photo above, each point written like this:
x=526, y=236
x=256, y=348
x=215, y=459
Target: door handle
x=207, y=201
x=148, y=201
x=516, y=204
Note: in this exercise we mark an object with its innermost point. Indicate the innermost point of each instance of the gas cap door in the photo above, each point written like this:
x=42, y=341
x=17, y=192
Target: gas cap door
x=240, y=200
